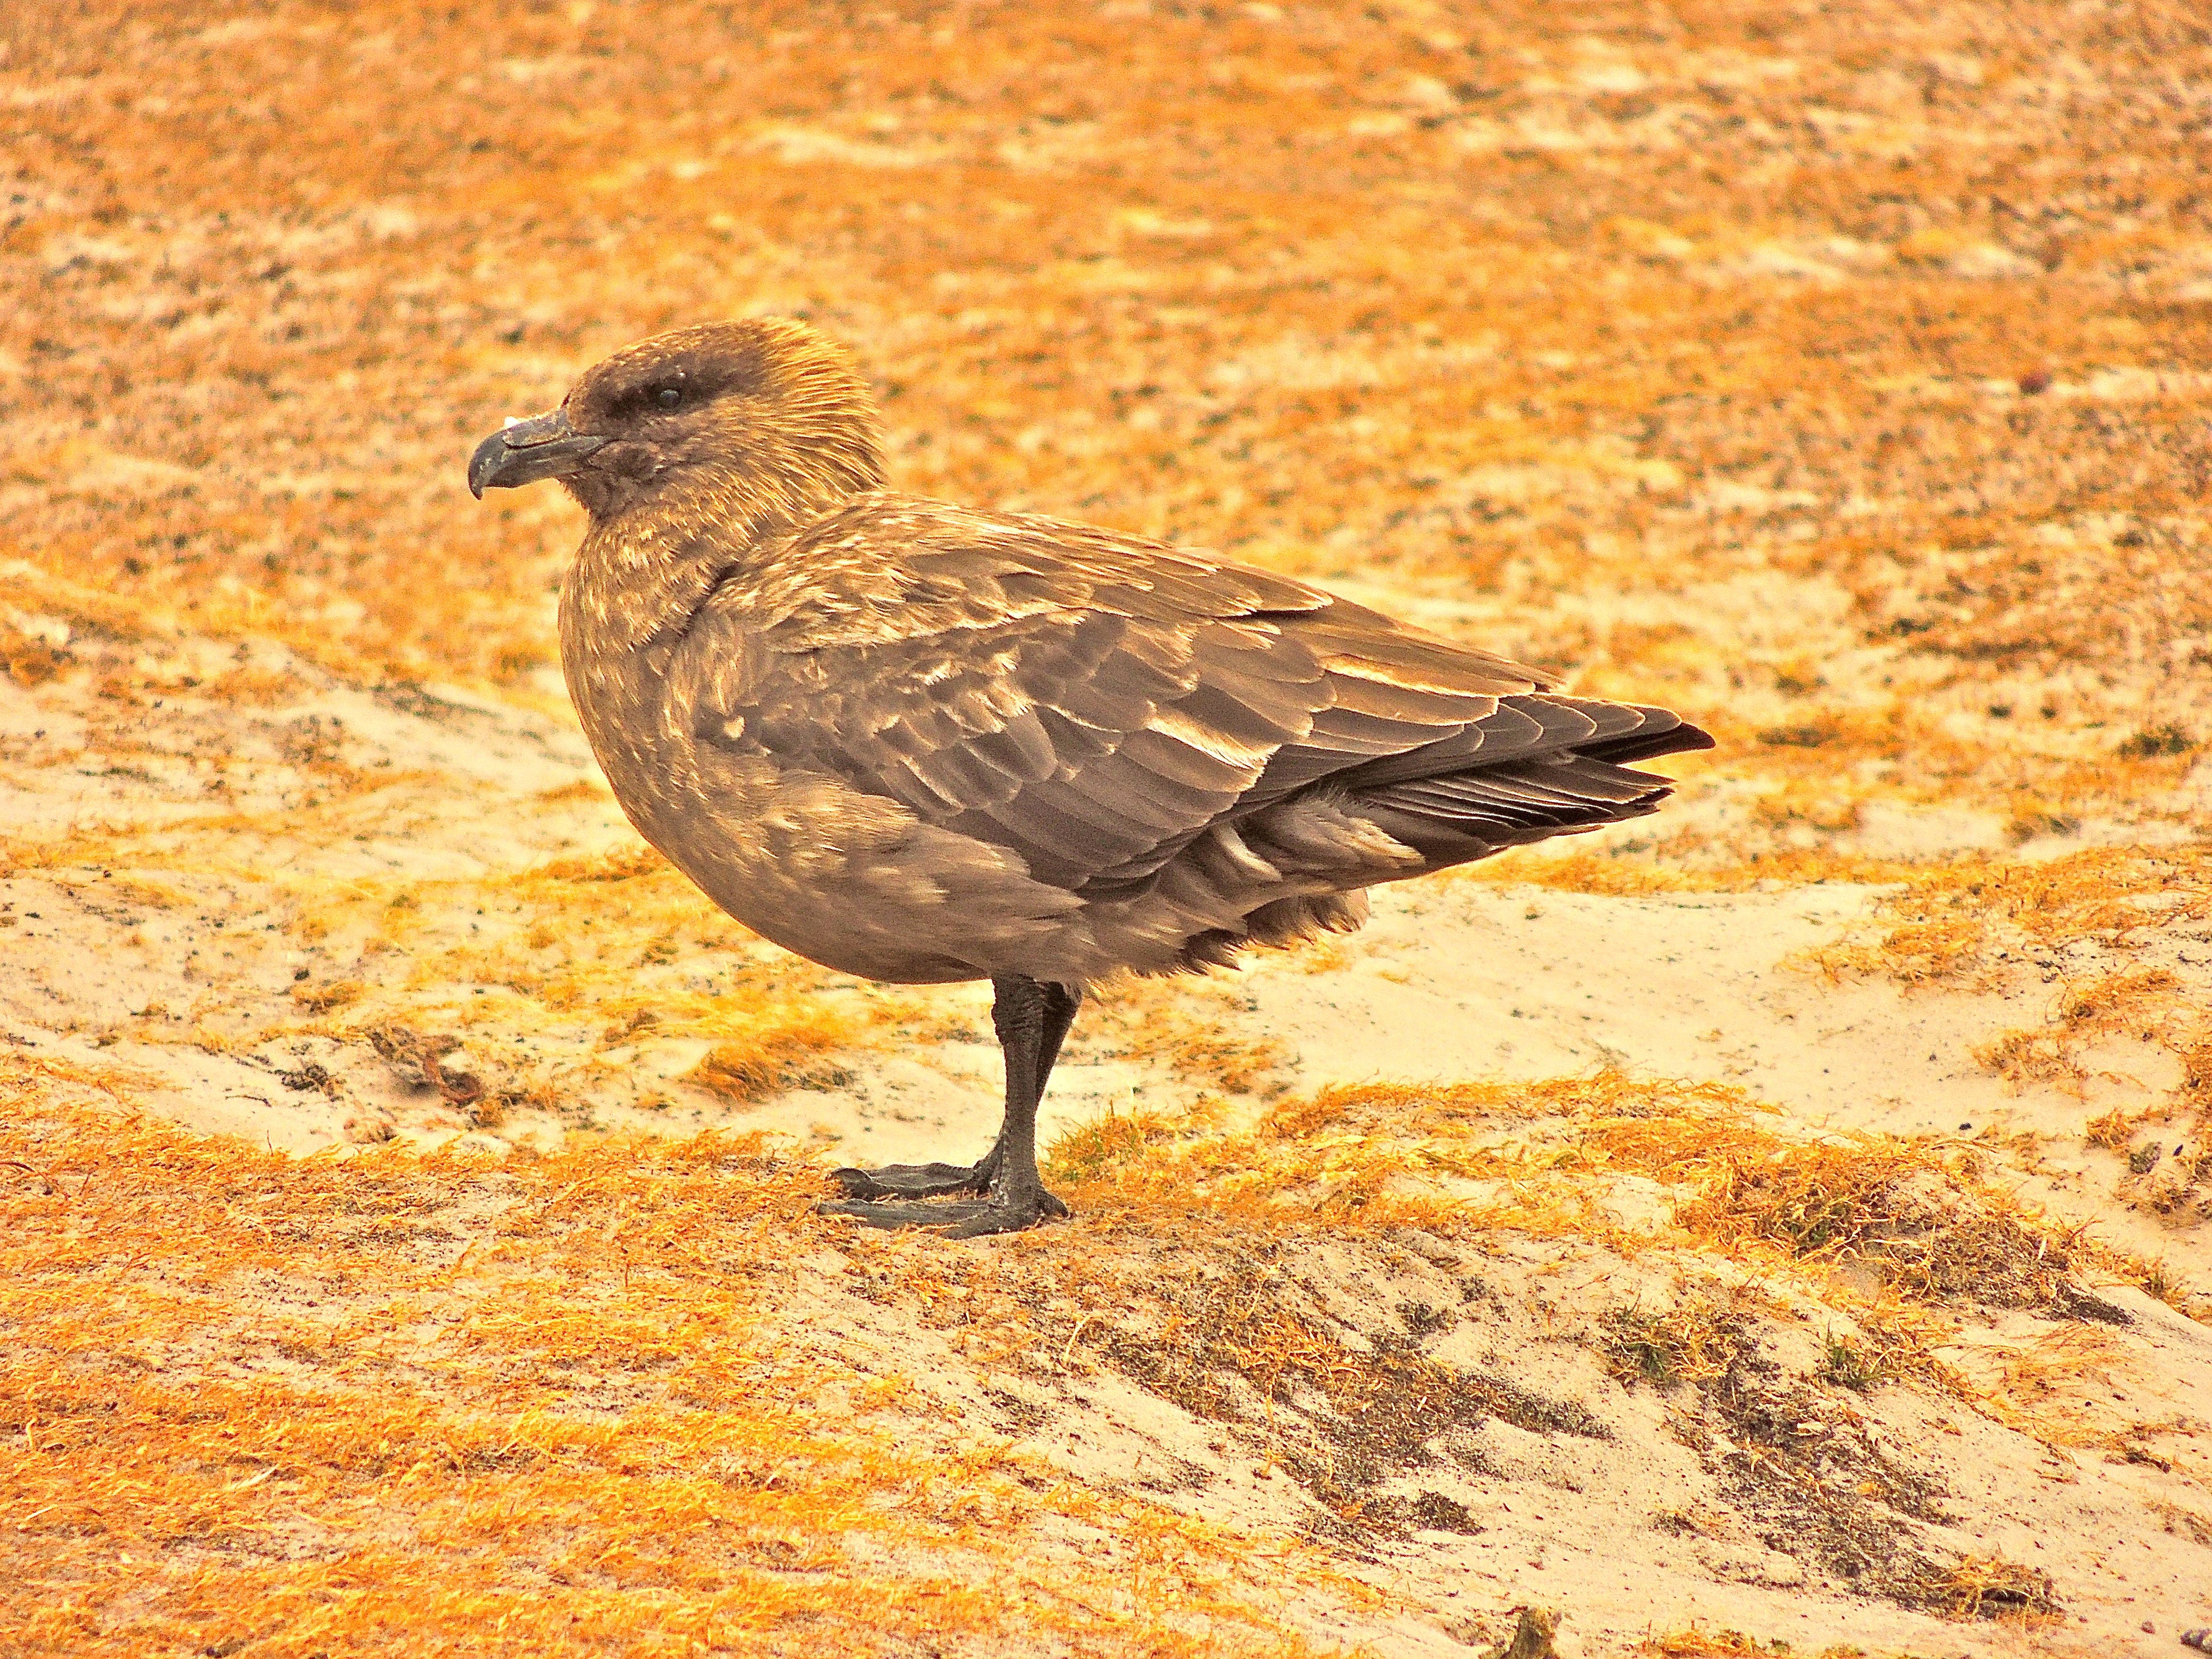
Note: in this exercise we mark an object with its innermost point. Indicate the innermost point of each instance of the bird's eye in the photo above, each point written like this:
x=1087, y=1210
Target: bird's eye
x=669, y=396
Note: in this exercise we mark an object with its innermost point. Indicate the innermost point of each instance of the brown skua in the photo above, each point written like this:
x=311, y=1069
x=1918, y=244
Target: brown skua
x=923, y=743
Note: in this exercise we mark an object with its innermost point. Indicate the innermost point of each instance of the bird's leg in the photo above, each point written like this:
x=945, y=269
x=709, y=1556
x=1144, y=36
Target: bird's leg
x=1014, y=1154
x=955, y=1180
x=1031, y=1018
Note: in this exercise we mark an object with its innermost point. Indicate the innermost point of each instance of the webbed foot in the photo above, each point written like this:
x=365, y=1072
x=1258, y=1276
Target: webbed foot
x=917, y=1179
x=1001, y=1193
x=970, y=1218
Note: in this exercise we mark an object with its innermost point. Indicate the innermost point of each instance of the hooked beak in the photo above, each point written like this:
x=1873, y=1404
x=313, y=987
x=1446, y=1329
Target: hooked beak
x=543, y=447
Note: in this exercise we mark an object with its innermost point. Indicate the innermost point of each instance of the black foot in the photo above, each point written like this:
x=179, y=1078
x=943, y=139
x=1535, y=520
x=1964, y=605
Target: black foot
x=1001, y=1193
x=917, y=1180
x=974, y=1218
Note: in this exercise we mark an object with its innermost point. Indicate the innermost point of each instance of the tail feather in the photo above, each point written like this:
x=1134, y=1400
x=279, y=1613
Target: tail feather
x=1488, y=806
x=1466, y=810
x=1663, y=733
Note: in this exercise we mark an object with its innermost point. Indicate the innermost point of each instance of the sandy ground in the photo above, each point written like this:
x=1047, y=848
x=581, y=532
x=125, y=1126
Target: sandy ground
x=1776, y=1226
x=1736, y=1501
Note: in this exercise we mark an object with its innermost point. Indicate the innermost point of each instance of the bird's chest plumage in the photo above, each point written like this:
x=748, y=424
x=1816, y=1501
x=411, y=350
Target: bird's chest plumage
x=771, y=844
x=615, y=655
x=615, y=693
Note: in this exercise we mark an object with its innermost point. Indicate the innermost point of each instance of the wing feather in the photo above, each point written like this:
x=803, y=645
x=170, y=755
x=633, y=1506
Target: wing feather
x=1169, y=757
x=1097, y=704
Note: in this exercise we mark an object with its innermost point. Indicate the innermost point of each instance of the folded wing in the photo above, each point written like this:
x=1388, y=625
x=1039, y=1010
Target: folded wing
x=1095, y=704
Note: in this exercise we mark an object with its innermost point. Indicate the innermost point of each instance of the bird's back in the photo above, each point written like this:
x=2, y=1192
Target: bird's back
x=1023, y=745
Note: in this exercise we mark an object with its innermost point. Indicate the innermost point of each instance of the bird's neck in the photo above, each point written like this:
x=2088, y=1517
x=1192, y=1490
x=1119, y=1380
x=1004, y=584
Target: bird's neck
x=646, y=564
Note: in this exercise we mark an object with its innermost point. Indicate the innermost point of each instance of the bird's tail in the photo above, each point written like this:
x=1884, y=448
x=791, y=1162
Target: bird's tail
x=1473, y=809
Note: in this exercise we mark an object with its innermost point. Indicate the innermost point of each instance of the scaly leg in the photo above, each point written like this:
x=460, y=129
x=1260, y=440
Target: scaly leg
x=1031, y=1018
x=955, y=1180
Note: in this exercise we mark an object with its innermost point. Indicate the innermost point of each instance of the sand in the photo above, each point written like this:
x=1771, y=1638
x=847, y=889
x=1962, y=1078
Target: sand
x=1631, y=1508
x=1776, y=1226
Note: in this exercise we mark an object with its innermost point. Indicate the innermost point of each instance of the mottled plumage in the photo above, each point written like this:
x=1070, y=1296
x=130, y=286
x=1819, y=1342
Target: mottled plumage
x=920, y=742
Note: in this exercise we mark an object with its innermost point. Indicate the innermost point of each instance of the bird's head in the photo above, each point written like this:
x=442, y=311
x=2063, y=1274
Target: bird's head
x=761, y=416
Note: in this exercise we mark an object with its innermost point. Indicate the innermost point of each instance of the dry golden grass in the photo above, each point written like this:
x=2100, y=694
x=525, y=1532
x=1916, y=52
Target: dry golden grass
x=1179, y=1025
x=2084, y=921
x=1921, y=1224
x=543, y=1405
x=1691, y=1342
x=784, y=1051
x=1950, y=921
x=624, y=1393
x=1837, y=377
x=1699, y=1644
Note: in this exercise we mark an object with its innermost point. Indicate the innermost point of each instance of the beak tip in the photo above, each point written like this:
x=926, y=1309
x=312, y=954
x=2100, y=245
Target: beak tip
x=523, y=451
x=485, y=464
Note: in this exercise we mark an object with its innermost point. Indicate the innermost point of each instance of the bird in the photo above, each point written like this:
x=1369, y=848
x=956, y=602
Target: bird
x=923, y=743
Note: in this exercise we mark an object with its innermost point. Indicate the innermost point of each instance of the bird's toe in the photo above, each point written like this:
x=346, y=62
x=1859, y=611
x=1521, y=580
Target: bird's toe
x=974, y=1218
x=895, y=1180
x=1005, y=1215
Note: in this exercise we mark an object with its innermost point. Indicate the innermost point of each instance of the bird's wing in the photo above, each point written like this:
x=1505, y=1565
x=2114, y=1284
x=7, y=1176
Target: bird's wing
x=1092, y=702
